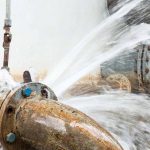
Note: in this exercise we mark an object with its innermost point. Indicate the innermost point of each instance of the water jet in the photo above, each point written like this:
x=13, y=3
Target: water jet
x=32, y=118
x=131, y=68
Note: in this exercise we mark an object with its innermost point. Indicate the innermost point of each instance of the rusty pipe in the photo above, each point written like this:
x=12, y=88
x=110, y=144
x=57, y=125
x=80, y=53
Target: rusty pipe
x=7, y=35
x=39, y=123
x=61, y=127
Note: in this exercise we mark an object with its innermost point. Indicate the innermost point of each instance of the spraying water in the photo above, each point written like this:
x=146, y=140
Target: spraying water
x=6, y=80
x=107, y=40
x=123, y=114
x=118, y=112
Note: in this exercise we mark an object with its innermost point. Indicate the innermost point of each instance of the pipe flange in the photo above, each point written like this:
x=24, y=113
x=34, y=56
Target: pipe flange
x=11, y=104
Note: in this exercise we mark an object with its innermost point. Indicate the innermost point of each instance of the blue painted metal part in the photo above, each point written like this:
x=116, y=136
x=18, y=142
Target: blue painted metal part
x=11, y=137
x=27, y=92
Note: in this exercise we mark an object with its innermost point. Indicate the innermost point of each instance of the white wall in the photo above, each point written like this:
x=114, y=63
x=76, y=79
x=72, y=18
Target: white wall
x=44, y=31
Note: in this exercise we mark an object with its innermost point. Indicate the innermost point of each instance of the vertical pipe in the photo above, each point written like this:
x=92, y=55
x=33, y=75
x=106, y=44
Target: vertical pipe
x=8, y=13
x=7, y=35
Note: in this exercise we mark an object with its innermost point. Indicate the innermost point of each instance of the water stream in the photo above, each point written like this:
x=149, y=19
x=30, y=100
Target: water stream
x=107, y=40
x=125, y=115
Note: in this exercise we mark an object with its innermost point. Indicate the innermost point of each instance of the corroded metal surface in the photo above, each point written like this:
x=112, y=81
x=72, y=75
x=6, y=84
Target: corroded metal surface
x=61, y=127
x=6, y=45
x=133, y=66
x=27, y=77
x=125, y=65
x=123, y=81
x=39, y=123
x=13, y=101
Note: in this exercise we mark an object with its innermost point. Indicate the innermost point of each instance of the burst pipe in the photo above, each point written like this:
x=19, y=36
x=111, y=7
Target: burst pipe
x=31, y=118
